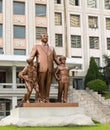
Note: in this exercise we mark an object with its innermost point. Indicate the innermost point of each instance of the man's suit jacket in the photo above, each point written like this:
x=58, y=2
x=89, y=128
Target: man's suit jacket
x=45, y=58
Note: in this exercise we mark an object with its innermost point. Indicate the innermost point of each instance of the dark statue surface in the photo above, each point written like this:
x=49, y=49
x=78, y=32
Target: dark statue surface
x=39, y=70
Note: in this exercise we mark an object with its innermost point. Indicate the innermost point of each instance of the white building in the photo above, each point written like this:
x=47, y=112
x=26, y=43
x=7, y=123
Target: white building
x=77, y=29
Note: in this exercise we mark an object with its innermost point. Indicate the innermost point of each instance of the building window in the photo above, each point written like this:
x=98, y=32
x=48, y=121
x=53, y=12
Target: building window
x=57, y=1
x=0, y=6
x=1, y=30
x=19, y=8
x=93, y=22
x=74, y=20
x=75, y=41
x=78, y=83
x=107, y=4
x=1, y=50
x=5, y=107
x=19, y=31
x=19, y=52
x=58, y=40
x=108, y=43
x=40, y=10
x=2, y=77
x=74, y=2
x=94, y=42
x=58, y=18
x=92, y=3
x=108, y=23
x=39, y=31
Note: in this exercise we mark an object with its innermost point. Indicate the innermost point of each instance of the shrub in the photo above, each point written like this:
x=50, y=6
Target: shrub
x=92, y=72
x=97, y=85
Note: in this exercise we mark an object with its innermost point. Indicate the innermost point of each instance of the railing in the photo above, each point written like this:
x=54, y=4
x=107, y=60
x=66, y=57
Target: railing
x=22, y=85
x=19, y=85
x=10, y=85
x=5, y=85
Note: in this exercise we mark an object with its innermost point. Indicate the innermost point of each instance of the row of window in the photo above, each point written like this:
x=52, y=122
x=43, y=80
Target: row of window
x=40, y=9
x=15, y=51
x=19, y=8
x=94, y=3
x=19, y=31
x=75, y=21
x=90, y=3
x=76, y=41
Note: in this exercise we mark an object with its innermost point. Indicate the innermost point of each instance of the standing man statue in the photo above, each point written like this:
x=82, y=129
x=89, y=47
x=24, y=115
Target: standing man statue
x=45, y=55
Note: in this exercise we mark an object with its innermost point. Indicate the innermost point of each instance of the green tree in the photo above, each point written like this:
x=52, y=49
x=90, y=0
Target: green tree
x=92, y=72
x=106, y=70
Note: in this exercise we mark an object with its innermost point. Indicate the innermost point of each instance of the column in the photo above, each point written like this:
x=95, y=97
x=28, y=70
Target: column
x=14, y=102
x=14, y=76
x=8, y=30
x=30, y=22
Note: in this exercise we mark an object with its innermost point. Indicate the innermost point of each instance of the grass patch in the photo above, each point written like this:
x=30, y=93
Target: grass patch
x=95, y=127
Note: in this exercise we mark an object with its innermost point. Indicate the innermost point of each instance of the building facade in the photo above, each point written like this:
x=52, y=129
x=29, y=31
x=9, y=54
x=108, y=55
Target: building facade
x=77, y=29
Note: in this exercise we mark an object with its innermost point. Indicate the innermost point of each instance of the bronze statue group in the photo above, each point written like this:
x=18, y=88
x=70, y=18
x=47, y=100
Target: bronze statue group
x=38, y=72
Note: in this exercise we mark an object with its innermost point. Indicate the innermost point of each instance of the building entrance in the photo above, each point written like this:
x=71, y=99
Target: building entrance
x=4, y=107
x=78, y=83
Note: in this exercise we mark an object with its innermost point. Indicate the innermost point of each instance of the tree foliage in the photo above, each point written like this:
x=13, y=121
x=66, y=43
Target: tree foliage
x=106, y=69
x=92, y=72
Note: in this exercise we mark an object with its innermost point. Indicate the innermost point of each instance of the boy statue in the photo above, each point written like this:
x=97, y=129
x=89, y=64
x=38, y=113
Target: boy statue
x=30, y=76
x=62, y=76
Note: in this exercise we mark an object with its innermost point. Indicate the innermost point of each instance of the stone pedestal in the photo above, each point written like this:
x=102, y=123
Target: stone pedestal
x=47, y=114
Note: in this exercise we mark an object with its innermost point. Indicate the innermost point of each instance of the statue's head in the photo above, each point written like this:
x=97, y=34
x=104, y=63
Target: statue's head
x=44, y=37
x=62, y=58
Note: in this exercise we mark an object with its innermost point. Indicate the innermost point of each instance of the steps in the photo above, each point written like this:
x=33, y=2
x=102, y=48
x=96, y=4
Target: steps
x=94, y=108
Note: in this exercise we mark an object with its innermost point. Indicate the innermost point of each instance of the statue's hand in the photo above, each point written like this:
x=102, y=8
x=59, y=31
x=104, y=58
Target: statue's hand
x=29, y=60
x=58, y=78
x=26, y=78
